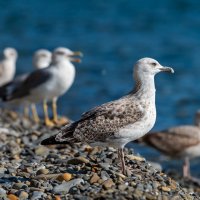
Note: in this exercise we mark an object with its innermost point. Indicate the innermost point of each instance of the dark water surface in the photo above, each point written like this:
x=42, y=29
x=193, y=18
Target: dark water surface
x=113, y=35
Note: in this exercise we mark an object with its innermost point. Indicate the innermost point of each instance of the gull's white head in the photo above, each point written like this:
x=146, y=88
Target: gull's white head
x=41, y=58
x=62, y=54
x=149, y=66
x=10, y=53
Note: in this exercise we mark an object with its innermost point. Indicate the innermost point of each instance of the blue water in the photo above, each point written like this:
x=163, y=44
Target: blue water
x=113, y=35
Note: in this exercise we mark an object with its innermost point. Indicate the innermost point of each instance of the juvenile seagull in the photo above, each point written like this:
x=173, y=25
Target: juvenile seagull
x=48, y=83
x=182, y=142
x=118, y=122
x=8, y=65
x=41, y=59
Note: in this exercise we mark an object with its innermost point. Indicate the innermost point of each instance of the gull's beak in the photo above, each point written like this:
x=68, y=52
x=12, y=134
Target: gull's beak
x=77, y=53
x=78, y=60
x=166, y=69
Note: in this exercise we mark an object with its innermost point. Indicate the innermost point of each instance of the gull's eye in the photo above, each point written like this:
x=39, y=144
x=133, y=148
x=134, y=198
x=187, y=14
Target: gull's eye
x=154, y=64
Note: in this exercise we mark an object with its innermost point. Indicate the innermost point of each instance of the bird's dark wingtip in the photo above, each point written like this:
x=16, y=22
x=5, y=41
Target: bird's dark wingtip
x=49, y=141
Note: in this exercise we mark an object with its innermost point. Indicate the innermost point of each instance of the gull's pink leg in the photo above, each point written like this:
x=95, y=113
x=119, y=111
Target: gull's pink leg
x=121, y=157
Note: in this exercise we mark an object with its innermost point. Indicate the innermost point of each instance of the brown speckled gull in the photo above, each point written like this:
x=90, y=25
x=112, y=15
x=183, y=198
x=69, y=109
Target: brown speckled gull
x=181, y=142
x=118, y=122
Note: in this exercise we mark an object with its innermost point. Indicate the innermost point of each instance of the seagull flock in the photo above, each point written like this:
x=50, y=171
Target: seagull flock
x=53, y=76
x=114, y=124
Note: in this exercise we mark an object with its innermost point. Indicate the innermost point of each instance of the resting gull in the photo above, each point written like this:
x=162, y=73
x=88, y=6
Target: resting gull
x=182, y=142
x=118, y=122
x=41, y=59
x=48, y=83
x=8, y=65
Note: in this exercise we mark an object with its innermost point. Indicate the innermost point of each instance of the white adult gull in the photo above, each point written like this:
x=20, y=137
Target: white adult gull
x=8, y=65
x=118, y=122
x=48, y=83
x=41, y=59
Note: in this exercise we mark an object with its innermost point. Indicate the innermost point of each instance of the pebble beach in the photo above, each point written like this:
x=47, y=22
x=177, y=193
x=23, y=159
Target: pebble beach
x=31, y=171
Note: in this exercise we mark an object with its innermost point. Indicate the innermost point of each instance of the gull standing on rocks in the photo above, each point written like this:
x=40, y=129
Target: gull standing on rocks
x=118, y=122
x=8, y=65
x=41, y=59
x=182, y=142
x=48, y=83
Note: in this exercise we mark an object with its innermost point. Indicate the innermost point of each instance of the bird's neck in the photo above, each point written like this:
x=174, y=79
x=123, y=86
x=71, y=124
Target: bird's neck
x=144, y=86
x=10, y=60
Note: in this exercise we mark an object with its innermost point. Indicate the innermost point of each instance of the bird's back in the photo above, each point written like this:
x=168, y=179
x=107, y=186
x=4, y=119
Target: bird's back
x=173, y=141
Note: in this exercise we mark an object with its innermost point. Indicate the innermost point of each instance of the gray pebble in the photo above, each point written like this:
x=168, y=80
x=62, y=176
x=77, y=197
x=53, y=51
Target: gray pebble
x=38, y=195
x=66, y=186
x=2, y=191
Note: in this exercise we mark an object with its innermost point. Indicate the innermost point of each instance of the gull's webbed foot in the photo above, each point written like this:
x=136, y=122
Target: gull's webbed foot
x=61, y=121
x=49, y=123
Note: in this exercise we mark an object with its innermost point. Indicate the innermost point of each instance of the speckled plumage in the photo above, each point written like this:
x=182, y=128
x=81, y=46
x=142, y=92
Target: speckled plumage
x=118, y=122
x=182, y=142
x=103, y=122
x=174, y=141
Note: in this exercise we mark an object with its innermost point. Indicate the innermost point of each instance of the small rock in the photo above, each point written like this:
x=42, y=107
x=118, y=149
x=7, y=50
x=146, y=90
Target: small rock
x=166, y=189
x=105, y=166
x=42, y=171
x=132, y=157
x=19, y=186
x=173, y=185
x=94, y=178
x=150, y=196
x=78, y=160
x=2, y=170
x=64, y=177
x=122, y=187
x=2, y=191
x=104, y=175
x=41, y=151
x=38, y=195
x=108, y=184
x=66, y=186
x=12, y=197
x=23, y=195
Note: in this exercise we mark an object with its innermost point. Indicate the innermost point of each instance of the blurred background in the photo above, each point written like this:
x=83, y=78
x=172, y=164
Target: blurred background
x=113, y=35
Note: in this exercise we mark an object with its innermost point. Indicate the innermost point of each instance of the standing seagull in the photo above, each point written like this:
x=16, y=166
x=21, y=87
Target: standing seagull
x=8, y=65
x=181, y=142
x=41, y=59
x=118, y=122
x=48, y=83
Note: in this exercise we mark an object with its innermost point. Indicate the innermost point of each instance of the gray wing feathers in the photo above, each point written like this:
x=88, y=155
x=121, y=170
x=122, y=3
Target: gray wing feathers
x=101, y=123
x=32, y=81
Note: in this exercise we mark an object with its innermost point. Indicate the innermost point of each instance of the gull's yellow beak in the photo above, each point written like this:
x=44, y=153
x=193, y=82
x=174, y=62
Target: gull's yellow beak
x=78, y=60
x=78, y=53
